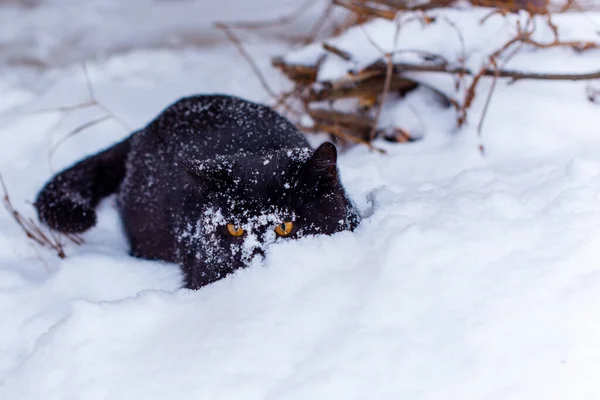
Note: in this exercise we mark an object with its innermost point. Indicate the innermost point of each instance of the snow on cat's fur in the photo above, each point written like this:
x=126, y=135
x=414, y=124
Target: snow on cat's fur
x=206, y=163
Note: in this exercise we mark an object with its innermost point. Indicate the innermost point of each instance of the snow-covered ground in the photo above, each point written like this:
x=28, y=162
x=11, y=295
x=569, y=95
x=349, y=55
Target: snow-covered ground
x=470, y=277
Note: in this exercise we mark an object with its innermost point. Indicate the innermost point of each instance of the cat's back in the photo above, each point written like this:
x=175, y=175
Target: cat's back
x=193, y=128
x=203, y=126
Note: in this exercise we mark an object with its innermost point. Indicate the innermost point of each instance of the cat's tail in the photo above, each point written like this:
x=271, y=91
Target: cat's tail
x=67, y=202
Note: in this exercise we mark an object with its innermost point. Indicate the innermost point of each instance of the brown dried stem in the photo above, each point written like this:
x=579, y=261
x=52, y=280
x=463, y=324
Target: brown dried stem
x=91, y=102
x=345, y=126
x=523, y=37
x=366, y=88
x=386, y=90
x=280, y=100
x=240, y=47
x=502, y=73
x=371, y=85
x=363, y=9
x=344, y=55
x=375, y=8
x=276, y=22
x=298, y=73
x=390, y=7
x=34, y=231
x=75, y=131
x=319, y=24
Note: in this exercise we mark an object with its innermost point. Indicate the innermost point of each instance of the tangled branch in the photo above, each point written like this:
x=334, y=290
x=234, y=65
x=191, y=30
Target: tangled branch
x=370, y=85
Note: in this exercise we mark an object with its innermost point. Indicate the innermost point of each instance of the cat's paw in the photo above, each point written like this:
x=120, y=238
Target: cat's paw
x=66, y=216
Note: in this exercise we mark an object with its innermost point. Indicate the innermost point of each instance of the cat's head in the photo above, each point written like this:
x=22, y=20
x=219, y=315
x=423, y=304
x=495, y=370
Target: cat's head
x=247, y=201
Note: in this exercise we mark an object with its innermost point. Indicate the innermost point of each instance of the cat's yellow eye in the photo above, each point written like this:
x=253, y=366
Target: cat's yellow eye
x=284, y=229
x=234, y=230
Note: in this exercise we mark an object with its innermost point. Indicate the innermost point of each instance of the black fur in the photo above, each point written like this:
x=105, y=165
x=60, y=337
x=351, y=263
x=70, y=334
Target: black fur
x=206, y=161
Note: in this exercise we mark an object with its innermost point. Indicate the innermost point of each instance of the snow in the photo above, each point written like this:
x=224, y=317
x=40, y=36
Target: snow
x=452, y=36
x=475, y=42
x=470, y=277
x=98, y=28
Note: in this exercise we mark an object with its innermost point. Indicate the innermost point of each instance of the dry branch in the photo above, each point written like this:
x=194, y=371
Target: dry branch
x=360, y=125
x=344, y=55
x=369, y=86
x=387, y=9
x=33, y=230
x=286, y=20
x=400, y=68
x=300, y=74
x=91, y=102
x=387, y=86
x=343, y=126
x=376, y=80
x=276, y=22
x=318, y=26
x=355, y=127
x=77, y=130
x=238, y=44
x=362, y=8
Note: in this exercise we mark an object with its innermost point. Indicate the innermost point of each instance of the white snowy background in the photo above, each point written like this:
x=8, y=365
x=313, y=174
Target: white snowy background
x=471, y=277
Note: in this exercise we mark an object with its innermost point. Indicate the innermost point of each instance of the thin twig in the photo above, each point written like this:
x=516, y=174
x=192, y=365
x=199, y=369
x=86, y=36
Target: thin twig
x=238, y=44
x=85, y=104
x=388, y=77
x=92, y=102
x=32, y=230
x=386, y=89
x=486, y=105
x=491, y=92
x=339, y=133
x=502, y=73
x=375, y=81
x=463, y=52
x=319, y=24
x=344, y=55
x=77, y=130
x=88, y=82
x=361, y=8
x=279, y=21
x=95, y=101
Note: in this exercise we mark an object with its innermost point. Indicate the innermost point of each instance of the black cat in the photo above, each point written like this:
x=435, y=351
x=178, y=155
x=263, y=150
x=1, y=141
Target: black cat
x=207, y=184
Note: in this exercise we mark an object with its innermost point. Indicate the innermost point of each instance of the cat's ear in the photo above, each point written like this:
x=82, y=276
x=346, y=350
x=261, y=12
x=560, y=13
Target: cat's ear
x=323, y=163
x=209, y=174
